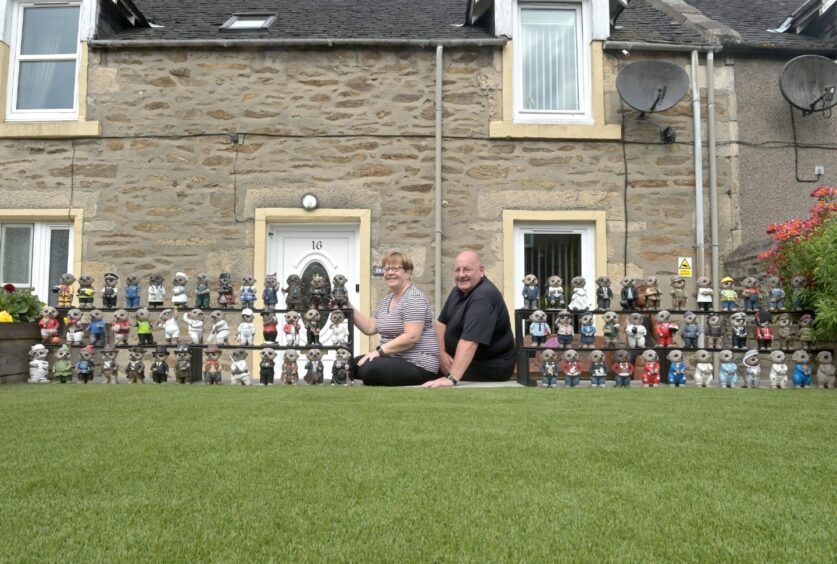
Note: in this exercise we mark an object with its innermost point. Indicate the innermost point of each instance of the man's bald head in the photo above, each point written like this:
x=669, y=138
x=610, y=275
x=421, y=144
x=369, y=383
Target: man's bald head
x=468, y=271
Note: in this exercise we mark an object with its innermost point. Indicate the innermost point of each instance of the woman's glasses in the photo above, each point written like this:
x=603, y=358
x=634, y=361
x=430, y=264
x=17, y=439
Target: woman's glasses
x=393, y=268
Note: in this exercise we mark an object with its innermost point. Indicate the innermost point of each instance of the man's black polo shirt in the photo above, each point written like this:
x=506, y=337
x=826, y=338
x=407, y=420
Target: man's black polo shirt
x=480, y=316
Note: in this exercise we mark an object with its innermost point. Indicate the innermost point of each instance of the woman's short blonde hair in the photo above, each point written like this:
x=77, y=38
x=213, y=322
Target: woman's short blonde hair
x=395, y=258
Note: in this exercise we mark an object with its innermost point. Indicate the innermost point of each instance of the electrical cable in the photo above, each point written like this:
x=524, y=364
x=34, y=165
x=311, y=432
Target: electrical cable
x=625, y=187
x=796, y=151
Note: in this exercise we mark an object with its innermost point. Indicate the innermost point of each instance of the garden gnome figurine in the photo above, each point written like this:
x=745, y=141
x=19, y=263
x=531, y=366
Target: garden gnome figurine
x=49, y=325
x=728, y=370
x=212, y=365
x=156, y=291
x=778, y=370
x=548, y=369
x=339, y=294
x=677, y=368
x=750, y=292
x=629, y=295
x=653, y=295
x=571, y=368
x=38, y=365
x=247, y=292
x=622, y=368
x=651, y=370
x=531, y=292
x=729, y=297
x=579, y=300
x=825, y=369
x=270, y=294
x=110, y=370
x=598, y=369
x=678, y=293
x=539, y=327
x=752, y=369
x=159, y=366
x=704, y=369
x=290, y=369
x=267, y=366
x=239, y=371
x=65, y=290
x=85, y=291
x=705, y=293
x=555, y=293
x=63, y=367
x=132, y=292
x=110, y=292
x=314, y=367
x=226, y=294
x=202, y=291
x=603, y=293
x=803, y=371
x=178, y=290
x=183, y=364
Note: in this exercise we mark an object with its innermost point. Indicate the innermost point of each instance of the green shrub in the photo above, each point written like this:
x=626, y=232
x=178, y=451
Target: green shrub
x=808, y=247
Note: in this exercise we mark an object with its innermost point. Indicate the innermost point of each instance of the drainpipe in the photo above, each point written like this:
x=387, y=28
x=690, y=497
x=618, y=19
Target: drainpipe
x=699, y=268
x=437, y=264
x=713, y=179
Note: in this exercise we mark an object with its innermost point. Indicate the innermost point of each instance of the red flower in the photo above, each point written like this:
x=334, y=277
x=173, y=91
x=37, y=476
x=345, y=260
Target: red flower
x=10, y=288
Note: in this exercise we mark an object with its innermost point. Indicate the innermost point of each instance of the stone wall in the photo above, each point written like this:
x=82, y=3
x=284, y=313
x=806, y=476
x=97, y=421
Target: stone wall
x=166, y=188
x=769, y=190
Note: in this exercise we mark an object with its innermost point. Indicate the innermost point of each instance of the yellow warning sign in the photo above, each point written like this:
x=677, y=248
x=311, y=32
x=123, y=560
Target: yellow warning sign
x=684, y=266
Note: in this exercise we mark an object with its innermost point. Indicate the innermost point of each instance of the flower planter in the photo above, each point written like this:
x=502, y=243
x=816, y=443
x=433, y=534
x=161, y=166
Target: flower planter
x=15, y=341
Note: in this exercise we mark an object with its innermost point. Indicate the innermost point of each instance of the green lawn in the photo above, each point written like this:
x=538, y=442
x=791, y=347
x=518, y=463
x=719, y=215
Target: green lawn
x=168, y=473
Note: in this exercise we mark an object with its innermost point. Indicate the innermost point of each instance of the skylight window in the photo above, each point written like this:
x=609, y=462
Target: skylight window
x=249, y=21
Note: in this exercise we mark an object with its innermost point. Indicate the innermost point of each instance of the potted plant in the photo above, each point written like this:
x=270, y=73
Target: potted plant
x=19, y=310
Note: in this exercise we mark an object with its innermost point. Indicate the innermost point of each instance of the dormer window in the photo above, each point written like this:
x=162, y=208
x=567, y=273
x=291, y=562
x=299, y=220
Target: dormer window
x=249, y=21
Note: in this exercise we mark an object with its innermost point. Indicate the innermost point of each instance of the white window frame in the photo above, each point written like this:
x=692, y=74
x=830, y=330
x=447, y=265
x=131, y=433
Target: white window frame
x=583, y=115
x=39, y=247
x=267, y=20
x=38, y=115
x=588, y=251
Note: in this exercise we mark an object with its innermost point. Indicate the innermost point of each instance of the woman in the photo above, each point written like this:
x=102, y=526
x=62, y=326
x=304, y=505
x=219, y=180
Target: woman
x=408, y=354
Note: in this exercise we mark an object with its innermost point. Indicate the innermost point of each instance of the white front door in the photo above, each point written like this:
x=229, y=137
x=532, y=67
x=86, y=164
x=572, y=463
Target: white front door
x=297, y=248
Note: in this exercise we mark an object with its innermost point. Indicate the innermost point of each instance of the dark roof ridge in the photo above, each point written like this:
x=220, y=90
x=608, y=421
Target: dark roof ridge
x=685, y=14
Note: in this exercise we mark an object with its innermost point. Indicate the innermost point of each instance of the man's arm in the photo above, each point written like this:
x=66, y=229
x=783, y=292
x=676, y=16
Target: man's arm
x=445, y=360
x=465, y=351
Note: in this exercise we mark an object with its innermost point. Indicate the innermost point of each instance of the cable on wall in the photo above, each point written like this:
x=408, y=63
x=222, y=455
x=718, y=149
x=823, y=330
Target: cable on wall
x=796, y=151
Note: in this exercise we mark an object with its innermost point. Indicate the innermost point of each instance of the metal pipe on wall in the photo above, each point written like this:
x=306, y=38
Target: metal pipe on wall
x=437, y=263
x=713, y=180
x=699, y=236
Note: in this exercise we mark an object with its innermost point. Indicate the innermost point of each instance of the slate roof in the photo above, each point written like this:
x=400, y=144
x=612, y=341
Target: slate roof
x=752, y=18
x=642, y=22
x=307, y=19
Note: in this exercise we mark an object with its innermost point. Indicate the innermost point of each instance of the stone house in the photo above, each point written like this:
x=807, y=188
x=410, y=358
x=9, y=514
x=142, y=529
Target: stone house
x=149, y=136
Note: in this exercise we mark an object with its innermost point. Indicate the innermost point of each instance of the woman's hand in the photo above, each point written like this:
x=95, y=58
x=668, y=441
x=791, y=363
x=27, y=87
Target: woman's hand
x=370, y=356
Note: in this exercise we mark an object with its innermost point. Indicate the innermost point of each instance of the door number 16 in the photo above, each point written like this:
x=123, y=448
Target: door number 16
x=316, y=245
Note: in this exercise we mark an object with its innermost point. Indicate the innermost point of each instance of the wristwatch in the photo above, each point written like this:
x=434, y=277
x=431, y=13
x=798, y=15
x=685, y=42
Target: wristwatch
x=453, y=380
x=380, y=350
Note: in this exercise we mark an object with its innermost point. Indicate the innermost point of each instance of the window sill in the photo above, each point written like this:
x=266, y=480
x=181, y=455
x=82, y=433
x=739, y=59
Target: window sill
x=511, y=130
x=50, y=130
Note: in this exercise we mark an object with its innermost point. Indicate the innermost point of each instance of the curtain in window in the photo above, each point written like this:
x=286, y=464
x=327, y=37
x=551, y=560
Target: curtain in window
x=16, y=248
x=549, y=40
x=48, y=33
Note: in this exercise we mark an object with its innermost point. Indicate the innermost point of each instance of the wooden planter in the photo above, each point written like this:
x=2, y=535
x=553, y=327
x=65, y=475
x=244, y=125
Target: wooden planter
x=15, y=341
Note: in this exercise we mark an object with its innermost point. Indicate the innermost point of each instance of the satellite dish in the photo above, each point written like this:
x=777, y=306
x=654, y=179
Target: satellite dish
x=652, y=86
x=809, y=82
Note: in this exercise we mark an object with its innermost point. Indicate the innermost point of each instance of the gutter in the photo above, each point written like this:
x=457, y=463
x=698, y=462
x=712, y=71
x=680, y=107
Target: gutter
x=643, y=46
x=437, y=232
x=288, y=42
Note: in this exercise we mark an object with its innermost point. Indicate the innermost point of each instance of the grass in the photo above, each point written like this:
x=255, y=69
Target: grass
x=168, y=473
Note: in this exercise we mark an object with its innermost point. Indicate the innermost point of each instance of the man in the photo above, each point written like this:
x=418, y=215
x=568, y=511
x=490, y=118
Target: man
x=473, y=329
